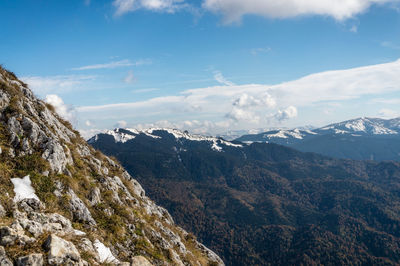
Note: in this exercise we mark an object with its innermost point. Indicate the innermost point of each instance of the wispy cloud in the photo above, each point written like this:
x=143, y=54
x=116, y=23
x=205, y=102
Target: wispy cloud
x=145, y=90
x=61, y=83
x=390, y=45
x=114, y=64
x=388, y=113
x=221, y=79
x=257, y=51
x=354, y=29
x=130, y=77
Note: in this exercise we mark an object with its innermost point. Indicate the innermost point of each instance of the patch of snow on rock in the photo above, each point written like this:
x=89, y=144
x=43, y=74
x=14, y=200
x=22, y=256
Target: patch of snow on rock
x=23, y=189
x=104, y=253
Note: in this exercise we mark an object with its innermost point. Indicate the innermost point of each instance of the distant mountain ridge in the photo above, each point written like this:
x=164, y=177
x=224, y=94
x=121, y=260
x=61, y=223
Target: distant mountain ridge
x=361, y=139
x=263, y=203
x=123, y=135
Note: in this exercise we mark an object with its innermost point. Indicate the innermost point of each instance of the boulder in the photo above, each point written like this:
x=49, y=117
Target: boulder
x=140, y=261
x=79, y=210
x=60, y=251
x=30, y=260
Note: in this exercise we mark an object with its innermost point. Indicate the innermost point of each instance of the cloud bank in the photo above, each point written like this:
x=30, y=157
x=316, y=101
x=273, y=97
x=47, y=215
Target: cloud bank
x=234, y=10
x=252, y=105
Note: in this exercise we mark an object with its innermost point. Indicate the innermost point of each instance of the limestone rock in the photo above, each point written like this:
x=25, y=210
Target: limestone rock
x=4, y=260
x=79, y=210
x=30, y=205
x=30, y=260
x=2, y=211
x=140, y=261
x=60, y=251
x=94, y=196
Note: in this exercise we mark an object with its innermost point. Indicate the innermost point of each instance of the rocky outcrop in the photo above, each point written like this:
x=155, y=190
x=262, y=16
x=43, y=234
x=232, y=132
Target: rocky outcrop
x=140, y=261
x=61, y=252
x=30, y=260
x=83, y=208
x=4, y=260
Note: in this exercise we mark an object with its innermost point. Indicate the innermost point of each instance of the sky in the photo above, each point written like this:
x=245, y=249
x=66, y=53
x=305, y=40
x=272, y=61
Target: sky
x=207, y=66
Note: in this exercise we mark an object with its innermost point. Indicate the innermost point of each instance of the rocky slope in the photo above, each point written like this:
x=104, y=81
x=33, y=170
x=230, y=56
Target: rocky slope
x=359, y=139
x=265, y=204
x=63, y=203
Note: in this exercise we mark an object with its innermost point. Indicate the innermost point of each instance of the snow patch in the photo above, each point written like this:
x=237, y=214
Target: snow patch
x=285, y=134
x=216, y=147
x=79, y=232
x=104, y=252
x=119, y=136
x=23, y=189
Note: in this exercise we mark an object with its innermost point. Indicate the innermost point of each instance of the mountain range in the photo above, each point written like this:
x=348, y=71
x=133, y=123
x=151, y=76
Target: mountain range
x=359, y=139
x=266, y=204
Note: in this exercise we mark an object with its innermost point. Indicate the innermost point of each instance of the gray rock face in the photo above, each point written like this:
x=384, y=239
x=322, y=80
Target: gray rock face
x=2, y=211
x=30, y=260
x=86, y=245
x=140, y=261
x=60, y=251
x=9, y=235
x=30, y=205
x=38, y=223
x=79, y=209
x=4, y=260
x=94, y=196
x=55, y=155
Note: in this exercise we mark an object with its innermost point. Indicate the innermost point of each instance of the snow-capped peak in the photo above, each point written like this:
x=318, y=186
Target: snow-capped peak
x=364, y=125
x=288, y=133
x=123, y=135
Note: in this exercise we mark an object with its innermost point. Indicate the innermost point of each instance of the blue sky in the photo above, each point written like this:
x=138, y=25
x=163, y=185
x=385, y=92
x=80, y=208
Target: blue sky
x=208, y=66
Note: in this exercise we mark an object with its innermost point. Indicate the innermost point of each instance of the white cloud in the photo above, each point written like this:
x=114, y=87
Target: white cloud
x=388, y=113
x=288, y=113
x=88, y=123
x=233, y=10
x=221, y=79
x=65, y=111
x=354, y=28
x=46, y=85
x=88, y=133
x=121, y=124
x=130, y=78
x=125, y=6
x=246, y=101
x=115, y=64
x=244, y=106
x=238, y=114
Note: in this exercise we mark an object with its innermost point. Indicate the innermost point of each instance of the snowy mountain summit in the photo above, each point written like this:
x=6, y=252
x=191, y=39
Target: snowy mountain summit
x=123, y=135
x=365, y=126
x=362, y=139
